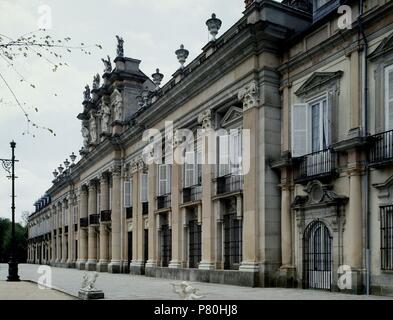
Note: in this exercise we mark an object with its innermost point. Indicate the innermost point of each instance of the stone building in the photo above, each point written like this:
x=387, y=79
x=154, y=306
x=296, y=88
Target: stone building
x=312, y=84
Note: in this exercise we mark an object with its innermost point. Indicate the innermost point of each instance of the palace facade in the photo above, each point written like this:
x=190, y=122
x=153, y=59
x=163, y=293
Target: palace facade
x=313, y=86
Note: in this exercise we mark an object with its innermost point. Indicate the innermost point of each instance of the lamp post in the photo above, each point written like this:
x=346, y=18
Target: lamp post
x=9, y=166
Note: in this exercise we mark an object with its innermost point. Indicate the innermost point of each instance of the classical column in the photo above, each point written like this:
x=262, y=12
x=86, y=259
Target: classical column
x=114, y=266
x=208, y=219
x=58, y=237
x=53, y=237
x=249, y=96
x=353, y=225
x=70, y=215
x=102, y=265
x=177, y=219
x=152, y=261
x=63, y=233
x=91, y=263
x=137, y=263
x=82, y=243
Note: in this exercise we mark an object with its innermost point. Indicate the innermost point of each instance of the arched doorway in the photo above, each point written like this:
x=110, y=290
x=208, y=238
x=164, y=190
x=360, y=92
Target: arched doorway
x=317, y=253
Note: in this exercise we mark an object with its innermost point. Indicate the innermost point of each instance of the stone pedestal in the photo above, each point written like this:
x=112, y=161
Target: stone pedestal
x=114, y=267
x=137, y=267
x=102, y=266
x=90, y=295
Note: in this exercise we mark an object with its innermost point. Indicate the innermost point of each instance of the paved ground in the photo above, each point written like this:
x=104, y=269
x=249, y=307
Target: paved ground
x=29, y=291
x=123, y=286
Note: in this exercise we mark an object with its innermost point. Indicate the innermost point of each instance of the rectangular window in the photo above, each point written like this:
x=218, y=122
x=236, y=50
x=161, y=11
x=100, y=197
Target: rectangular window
x=387, y=238
x=164, y=178
x=144, y=187
x=389, y=98
x=311, y=126
x=128, y=194
x=232, y=241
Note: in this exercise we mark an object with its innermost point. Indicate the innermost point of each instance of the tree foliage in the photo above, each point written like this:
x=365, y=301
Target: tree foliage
x=41, y=45
x=5, y=241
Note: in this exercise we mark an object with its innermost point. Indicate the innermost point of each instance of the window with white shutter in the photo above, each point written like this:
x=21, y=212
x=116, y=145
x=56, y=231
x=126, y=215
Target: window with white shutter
x=235, y=150
x=223, y=155
x=299, y=129
x=389, y=98
x=127, y=194
x=189, y=169
x=144, y=187
x=164, y=177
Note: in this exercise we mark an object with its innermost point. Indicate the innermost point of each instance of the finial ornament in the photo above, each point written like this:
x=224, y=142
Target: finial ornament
x=157, y=78
x=182, y=55
x=213, y=25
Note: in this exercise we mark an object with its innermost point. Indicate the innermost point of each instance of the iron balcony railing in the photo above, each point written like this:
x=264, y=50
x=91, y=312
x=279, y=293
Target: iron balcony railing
x=60, y=230
x=164, y=201
x=84, y=222
x=145, y=208
x=75, y=227
x=94, y=219
x=66, y=229
x=381, y=149
x=315, y=165
x=192, y=193
x=129, y=213
x=229, y=183
x=106, y=215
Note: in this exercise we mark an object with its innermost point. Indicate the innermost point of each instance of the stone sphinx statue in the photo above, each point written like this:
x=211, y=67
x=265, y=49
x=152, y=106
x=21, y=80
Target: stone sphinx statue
x=107, y=64
x=117, y=104
x=106, y=115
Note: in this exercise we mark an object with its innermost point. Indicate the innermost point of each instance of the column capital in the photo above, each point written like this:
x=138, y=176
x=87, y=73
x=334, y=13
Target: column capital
x=205, y=118
x=92, y=185
x=116, y=170
x=249, y=95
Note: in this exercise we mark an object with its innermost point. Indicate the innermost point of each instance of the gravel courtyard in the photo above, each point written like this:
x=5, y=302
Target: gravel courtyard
x=123, y=286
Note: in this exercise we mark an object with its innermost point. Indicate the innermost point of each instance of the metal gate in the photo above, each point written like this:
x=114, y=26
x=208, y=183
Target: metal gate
x=195, y=241
x=166, y=245
x=317, y=264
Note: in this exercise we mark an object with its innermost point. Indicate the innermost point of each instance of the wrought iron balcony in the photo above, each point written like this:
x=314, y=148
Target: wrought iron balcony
x=164, y=201
x=106, y=215
x=229, y=183
x=145, y=208
x=84, y=222
x=60, y=230
x=381, y=149
x=94, y=219
x=316, y=165
x=129, y=213
x=75, y=227
x=193, y=193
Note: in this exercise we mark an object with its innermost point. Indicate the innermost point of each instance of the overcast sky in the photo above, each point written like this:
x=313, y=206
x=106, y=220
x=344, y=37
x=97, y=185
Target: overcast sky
x=152, y=31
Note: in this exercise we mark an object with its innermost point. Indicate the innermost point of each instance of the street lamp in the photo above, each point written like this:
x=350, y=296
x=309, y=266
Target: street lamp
x=9, y=166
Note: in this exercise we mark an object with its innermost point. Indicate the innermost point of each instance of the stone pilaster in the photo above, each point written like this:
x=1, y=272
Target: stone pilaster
x=177, y=217
x=114, y=266
x=208, y=220
x=353, y=225
x=58, y=236
x=249, y=96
